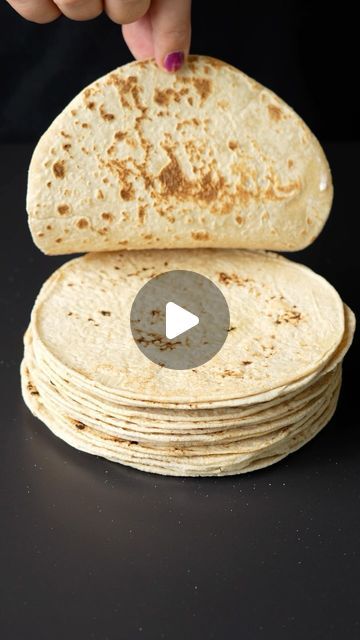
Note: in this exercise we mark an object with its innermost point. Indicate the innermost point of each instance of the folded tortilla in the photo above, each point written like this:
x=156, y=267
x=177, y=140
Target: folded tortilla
x=206, y=157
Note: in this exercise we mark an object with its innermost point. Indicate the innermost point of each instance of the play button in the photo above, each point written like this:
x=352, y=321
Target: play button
x=179, y=319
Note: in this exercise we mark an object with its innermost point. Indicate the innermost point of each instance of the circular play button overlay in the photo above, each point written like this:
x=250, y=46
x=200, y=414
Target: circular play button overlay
x=179, y=319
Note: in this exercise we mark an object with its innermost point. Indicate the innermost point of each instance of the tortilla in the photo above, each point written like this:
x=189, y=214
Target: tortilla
x=209, y=461
x=138, y=427
x=287, y=324
x=206, y=157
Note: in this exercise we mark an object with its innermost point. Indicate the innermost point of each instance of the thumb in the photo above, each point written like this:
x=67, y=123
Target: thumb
x=171, y=31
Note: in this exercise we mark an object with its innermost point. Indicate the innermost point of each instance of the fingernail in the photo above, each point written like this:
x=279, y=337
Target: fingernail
x=173, y=61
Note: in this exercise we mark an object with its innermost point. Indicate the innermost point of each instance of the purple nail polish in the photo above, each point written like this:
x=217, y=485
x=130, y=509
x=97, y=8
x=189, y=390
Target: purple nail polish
x=173, y=61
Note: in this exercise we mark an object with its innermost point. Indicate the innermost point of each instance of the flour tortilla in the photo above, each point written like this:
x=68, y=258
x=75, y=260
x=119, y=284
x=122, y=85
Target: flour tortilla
x=178, y=465
x=158, y=431
x=206, y=157
x=288, y=322
x=243, y=445
x=146, y=434
x=258, y=411
x=212, y=415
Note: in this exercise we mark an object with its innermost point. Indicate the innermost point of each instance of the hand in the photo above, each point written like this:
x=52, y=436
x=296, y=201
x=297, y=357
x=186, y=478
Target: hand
x=151, y=28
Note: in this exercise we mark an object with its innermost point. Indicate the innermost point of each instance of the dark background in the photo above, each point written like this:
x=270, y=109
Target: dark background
x=307, y=52
x=91, y=550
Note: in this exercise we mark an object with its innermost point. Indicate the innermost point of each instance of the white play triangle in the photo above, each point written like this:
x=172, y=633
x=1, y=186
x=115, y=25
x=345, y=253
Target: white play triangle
x=178, y=320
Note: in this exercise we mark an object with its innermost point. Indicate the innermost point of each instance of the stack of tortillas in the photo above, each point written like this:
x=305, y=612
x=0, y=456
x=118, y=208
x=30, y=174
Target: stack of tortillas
x=167, y=164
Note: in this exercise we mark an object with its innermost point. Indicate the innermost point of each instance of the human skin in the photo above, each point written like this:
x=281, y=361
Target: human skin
x=151, y=28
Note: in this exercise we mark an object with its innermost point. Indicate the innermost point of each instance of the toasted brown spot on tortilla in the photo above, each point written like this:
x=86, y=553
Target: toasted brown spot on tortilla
x=49, y=227
x=58, y=240
x=290, y=163
x=127, y=193
x=32, y=389
x=213, y=62
x=163, y=97
x=123, y=173
x=239, y=219
x=100, y=195
x=141, y=214
x=48, y=184
x=120, y=135
x=105, y=313
x=209, y=188
x=59, y=169
x=288, y=188
x=174, y=182
x=85, y=125
x=291, y=316
x=203, y=87
x=274, y=112
x=232, y=145
x=106, y=116
x=232, y=278
x=107, y=216
x=172, y=178
x=63, y=209
x=125, y=87
x=231, y=373
x=272, y=191
x=79, y=425
x=82, y=223
x=200, y=235
x=90, y=105
x=66, y=146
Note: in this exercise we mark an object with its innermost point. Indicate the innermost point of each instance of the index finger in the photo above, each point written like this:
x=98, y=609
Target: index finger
x=171, y=29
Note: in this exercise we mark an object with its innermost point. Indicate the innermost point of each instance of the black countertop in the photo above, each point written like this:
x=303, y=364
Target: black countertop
x=94, y=550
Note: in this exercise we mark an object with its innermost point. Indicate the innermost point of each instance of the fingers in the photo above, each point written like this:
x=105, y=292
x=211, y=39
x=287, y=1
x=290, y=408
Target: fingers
x=159, y=28
x=139, y=39
x=171, y=28
x=40, y=11
x=80, y=9
x=126, y=11
x=164, y=33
